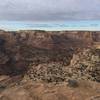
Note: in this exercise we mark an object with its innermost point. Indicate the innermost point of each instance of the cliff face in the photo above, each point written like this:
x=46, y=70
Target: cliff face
x=17, y=48
x=63, y=38
x=49, y=40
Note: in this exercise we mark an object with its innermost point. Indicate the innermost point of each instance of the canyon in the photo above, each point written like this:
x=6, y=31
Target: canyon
x=46, y=65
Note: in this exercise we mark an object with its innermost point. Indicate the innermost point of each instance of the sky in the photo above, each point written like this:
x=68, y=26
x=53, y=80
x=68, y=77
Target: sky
x=49, y=10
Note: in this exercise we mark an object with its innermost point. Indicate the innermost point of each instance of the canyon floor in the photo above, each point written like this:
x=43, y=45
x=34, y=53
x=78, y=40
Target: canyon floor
x=45, y=65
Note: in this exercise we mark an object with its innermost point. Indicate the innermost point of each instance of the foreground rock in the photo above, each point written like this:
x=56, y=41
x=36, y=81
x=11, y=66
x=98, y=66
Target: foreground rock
x=43, y=91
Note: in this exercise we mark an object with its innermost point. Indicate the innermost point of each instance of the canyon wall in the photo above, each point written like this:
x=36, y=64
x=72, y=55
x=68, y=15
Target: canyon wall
x=18, y=49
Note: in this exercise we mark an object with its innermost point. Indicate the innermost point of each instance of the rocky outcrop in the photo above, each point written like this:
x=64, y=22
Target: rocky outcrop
x=83, y=66
x=86, y=65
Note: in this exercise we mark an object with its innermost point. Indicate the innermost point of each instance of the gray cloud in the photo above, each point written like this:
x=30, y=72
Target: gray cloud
x=47, y=10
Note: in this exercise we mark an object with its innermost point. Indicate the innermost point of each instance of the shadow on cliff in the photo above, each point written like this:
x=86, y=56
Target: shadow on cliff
x=10, y=60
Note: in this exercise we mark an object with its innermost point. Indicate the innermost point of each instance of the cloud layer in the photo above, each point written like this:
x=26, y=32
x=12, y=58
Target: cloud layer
x=49, y=10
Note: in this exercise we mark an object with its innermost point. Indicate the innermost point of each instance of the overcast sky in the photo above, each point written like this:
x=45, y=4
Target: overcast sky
x=49, y=10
